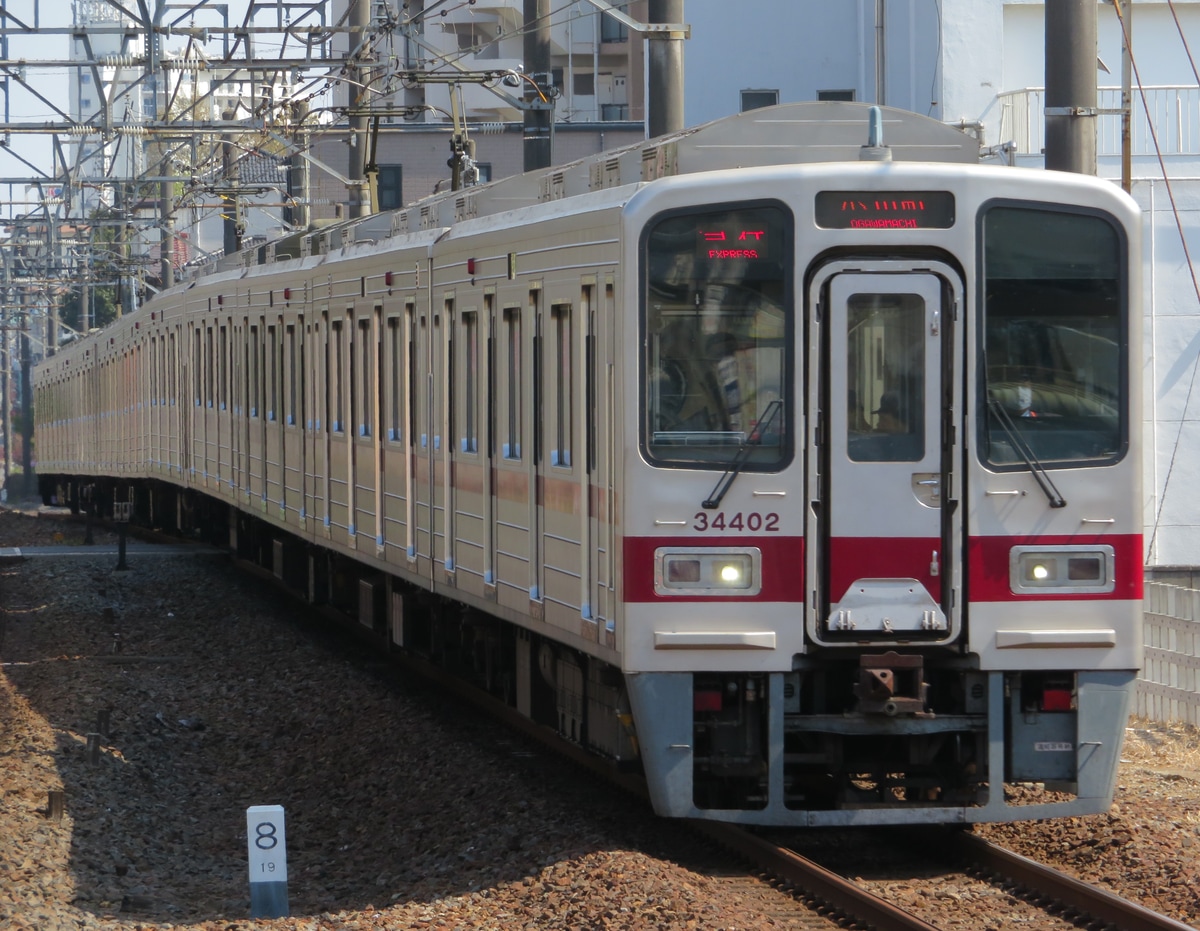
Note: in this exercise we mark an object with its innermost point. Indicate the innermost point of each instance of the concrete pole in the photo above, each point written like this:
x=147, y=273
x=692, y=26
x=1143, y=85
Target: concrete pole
x=537, y=61
x=27, y=400
x=166, y=240
x=665, y=71
x=359, y=18
x=232, y=212
x=1124, y=10
x=1071, y=86
x=6, y=390
x=297, y=209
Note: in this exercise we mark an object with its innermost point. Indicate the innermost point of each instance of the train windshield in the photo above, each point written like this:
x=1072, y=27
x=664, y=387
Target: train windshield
x=717, y=329
x=1055, y=358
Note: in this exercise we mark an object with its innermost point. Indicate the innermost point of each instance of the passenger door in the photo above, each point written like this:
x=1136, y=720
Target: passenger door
x=886, y=535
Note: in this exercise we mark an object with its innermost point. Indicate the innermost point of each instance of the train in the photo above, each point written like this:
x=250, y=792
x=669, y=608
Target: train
x=791, y=460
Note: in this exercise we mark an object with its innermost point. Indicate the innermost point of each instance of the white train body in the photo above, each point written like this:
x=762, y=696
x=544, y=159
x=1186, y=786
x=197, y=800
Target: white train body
x=810, y=482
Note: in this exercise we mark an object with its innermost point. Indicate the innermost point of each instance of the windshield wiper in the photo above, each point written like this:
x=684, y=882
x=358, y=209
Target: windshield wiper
x=753, y=439
x=1053, y=495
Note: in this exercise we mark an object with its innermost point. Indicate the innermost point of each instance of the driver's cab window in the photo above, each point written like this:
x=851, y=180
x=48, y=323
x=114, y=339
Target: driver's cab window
x=717, y=326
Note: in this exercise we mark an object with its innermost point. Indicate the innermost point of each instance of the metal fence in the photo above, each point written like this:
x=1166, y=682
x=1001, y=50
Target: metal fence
x=1174, y=111
x=1169, y=688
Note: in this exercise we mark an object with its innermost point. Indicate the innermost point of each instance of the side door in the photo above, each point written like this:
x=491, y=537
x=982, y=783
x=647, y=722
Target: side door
x=887, y=530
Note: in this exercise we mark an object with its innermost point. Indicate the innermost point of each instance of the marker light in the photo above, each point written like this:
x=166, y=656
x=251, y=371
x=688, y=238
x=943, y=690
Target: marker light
x=698, y=570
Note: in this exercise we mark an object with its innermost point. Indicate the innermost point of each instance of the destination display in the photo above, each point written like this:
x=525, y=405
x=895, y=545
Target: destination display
x=884, y=210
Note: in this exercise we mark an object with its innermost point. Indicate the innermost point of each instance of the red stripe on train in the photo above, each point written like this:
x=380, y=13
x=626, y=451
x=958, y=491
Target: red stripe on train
x=988, y=567
x=782, y=567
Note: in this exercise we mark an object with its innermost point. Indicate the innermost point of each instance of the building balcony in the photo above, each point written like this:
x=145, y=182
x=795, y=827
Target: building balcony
x=1174, y=115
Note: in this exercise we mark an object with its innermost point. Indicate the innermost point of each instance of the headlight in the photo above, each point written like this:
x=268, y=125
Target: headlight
x=1061, y=569
x=698, y=570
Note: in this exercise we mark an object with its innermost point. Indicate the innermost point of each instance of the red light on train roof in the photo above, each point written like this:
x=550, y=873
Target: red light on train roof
x=220, y=298
x=387, y=279
x=470, y=266
x=287, y=294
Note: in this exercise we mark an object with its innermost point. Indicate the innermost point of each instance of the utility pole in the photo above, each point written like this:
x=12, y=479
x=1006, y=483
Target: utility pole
x=880, y=53
x=26, y=399
x=1125, y=18
x=167, y=238
x=359, y=19
x=6, y=377
x=296, y=214
x=232, y=214
x=665, y=70
x=540, y=112
x=1071, y=86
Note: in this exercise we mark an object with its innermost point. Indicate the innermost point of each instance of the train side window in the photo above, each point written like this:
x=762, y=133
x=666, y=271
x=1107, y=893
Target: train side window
x=364, y=353
x=254, y=374
x=222, y=368
x=291, y=375
x=512, y=436
x=197, y=367
x=718, y=326
x=336, y=417
x=470, y=374
x=272, y=373
x=560, y=317
x=210, y=365
x=395, y=369
x=1056, y=366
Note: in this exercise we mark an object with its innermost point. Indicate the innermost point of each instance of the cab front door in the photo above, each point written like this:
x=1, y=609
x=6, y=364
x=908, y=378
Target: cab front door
x=885, y=518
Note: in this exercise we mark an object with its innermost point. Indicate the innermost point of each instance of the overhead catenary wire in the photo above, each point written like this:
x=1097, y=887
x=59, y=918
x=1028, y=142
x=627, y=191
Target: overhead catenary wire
x=1158, y=511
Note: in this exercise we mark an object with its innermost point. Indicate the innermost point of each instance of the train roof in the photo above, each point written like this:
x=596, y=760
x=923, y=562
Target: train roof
x=787, y=134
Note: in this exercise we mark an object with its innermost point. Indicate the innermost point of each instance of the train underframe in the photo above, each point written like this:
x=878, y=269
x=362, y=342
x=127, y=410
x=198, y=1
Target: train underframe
x=844, y=738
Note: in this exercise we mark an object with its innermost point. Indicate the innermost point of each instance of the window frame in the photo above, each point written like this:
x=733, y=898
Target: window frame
x=787, y=448
x=1122, y=381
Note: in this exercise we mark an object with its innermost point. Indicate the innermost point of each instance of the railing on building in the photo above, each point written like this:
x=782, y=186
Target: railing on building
x=1169, y=687
x=1174, y=112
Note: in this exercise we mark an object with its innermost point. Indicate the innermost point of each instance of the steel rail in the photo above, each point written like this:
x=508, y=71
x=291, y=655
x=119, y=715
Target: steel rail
x=1067, y=890
x=839, y=893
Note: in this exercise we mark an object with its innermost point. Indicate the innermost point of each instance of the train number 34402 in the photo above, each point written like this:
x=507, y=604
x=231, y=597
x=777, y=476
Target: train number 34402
x=720, y=522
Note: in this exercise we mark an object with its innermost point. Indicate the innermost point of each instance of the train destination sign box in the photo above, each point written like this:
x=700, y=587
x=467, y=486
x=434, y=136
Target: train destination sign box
x=884, y=210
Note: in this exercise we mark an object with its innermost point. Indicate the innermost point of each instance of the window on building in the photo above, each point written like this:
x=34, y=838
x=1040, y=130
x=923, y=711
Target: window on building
x=612, y=29
x=389, y=187
x=754, y=99
x=583, y=84
x=835, y=95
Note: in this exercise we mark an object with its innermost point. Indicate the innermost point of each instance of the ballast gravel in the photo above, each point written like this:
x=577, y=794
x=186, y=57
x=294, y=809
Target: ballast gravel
x=156, y=704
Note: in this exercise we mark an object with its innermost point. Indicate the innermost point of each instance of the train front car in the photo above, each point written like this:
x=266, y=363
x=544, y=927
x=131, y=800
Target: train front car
x=882, y=554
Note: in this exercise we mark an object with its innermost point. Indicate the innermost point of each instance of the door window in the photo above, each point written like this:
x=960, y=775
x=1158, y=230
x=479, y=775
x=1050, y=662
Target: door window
x=885, y=378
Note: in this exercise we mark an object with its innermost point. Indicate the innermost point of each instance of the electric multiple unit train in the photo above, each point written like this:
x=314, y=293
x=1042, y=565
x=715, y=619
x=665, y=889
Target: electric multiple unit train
x=790, y=461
